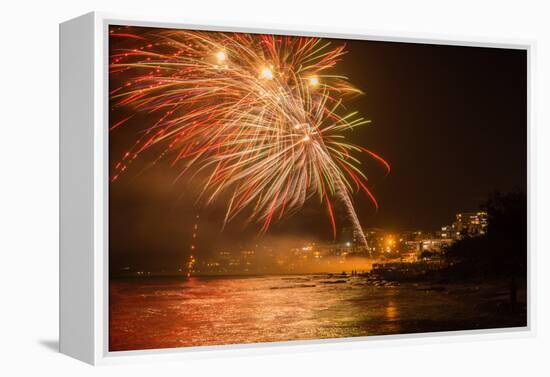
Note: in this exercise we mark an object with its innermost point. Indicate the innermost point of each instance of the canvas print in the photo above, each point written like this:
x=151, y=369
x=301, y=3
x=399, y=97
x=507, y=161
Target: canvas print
x=270, y=188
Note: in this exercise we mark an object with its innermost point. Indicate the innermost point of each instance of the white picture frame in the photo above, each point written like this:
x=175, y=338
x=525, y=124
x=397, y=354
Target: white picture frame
x=84, y=193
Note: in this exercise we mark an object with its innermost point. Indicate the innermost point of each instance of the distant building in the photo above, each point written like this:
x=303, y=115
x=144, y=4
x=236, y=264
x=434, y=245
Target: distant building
x=413, y=246
x=306, y=251
x=436, y=245
x=448, y=231
x=415, y=235
x=375, y=239
x=382, y=242
x=348, y=234
x=471, y=224
x=247, y=254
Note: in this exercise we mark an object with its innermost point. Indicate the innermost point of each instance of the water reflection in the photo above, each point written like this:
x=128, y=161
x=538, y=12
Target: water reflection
x=391, y=310
x=163, y=313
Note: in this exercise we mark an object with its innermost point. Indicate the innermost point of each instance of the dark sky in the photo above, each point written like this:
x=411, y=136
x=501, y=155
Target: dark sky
x=450, y=120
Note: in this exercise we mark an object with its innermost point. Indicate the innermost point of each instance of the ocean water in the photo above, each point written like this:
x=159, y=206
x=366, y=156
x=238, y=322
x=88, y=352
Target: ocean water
x=150, y=313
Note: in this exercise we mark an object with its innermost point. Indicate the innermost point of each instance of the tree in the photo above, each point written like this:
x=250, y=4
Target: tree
x=502, y=251
x=507, y=231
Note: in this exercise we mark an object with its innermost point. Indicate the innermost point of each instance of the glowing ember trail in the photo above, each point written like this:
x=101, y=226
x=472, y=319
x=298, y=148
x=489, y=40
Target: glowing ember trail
x=262, y=115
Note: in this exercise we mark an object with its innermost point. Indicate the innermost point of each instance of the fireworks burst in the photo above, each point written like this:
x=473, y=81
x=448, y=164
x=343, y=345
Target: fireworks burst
x=262, y=115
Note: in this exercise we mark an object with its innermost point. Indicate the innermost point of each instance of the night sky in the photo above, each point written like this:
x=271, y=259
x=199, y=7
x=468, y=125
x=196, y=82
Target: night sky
x=451, y=121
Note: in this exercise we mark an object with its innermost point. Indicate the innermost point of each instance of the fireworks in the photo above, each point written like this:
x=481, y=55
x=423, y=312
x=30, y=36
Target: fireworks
x=260, y=115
